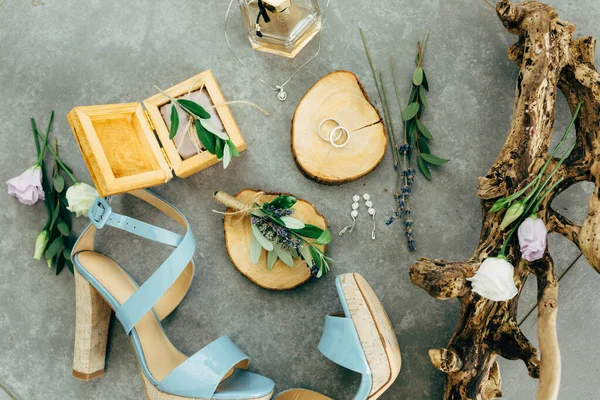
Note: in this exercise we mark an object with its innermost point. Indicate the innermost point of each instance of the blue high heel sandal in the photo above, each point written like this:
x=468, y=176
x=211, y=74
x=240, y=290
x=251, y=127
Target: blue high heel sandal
x=215, y=372
x=361, y=339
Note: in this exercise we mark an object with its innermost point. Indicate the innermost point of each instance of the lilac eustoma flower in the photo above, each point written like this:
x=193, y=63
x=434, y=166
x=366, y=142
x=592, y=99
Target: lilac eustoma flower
x=27, y=187
x=532, y=238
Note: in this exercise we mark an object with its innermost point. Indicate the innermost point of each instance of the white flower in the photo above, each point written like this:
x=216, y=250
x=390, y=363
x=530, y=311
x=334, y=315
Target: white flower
x=27, y=187
x=494, y=280
x=81, y=197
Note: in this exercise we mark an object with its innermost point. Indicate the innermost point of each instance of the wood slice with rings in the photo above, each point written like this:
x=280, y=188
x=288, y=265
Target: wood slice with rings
x=338, y=136
x=238, y=234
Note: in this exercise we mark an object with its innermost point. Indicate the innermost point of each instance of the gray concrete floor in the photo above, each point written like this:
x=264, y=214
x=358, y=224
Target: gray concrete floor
x=56, y=55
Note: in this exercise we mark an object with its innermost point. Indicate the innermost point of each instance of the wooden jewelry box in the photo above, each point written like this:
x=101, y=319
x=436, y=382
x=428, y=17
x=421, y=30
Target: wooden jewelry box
x=126, y=146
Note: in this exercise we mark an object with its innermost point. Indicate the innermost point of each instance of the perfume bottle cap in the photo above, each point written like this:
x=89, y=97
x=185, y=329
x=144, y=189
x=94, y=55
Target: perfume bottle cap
x=279, y=5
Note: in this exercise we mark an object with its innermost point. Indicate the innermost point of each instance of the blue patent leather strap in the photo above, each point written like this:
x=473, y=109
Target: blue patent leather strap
x=132, y=225
x=147, y=295
x=340, y=343
x=200, y=375
x=142, y=301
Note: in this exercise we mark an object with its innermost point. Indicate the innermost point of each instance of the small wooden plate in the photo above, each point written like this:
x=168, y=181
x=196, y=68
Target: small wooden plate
x=341, y=96
x=237, y=240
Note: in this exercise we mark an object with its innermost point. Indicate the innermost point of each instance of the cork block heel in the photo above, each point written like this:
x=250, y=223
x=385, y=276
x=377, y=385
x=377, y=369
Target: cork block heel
x=92, y=318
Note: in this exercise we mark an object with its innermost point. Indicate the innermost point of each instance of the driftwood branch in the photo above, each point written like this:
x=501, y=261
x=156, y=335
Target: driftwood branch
x=548, y=60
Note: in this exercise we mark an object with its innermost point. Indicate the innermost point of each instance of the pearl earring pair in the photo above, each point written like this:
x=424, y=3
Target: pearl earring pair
x=354, y=214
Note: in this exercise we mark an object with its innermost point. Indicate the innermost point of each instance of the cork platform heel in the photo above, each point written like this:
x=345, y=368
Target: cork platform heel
x=218, y=371
x=361, y=338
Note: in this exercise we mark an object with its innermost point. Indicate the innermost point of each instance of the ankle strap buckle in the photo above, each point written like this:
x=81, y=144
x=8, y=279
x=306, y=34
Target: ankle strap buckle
x=100, y=212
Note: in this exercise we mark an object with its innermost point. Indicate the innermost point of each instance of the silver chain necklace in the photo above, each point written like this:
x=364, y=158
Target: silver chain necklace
x=282, y=95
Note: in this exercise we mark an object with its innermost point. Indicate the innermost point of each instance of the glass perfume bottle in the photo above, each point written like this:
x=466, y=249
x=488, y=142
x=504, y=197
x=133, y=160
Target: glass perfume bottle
x=281, y=27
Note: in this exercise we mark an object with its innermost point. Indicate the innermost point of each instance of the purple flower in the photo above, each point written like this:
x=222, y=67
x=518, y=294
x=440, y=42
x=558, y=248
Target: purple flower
x=27, y=187
x=532, y=238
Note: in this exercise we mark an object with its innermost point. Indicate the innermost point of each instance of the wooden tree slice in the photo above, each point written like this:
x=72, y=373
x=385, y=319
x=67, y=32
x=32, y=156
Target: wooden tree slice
x=237, y=240
x=341, y=96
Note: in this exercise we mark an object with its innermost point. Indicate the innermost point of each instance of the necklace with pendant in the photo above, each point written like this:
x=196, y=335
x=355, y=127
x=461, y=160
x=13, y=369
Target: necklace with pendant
x=282, y=94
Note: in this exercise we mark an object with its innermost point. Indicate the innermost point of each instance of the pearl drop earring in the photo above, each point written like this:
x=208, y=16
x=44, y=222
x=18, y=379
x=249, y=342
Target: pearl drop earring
x=371, y=211
x=353, y=214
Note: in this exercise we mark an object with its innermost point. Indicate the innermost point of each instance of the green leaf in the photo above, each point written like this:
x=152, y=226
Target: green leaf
x=258, y=213
x=63, y=228
x=219, y=148
x=174, y=122
x=283, y=201
x=284, y=255
x=59, y=183
x=413, y=93
x=255, y=249
x=423, y=129
x=424, y=167
x=55, y=247
x=67, y=254
x=233, y=149
x=324, y=238
x=418, y=76
x=316, y=256
x=425, y=84
x=309, y=231
x=410, y=111
x=422, y=96
x=207, y=139
x=412, y=129
x=226, y=155
x=264, y=242
x=292, y=223
x=271, y=259
x=55, y=214
x=434, y=160
x=499, y=205
x=213, y=129
x=423, y=146
x=194, y=108
x=305, y=252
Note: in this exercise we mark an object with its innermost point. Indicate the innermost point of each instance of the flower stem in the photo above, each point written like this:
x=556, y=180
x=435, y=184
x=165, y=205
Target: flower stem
x=62, y=165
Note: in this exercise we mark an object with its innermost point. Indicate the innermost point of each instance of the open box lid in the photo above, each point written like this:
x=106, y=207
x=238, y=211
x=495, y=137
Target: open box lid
x=126, y=146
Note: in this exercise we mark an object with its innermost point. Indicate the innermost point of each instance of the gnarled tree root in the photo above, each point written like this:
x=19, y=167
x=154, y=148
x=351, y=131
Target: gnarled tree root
x=549, y=59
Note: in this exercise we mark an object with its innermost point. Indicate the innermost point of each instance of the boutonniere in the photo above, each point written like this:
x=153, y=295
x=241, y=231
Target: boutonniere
x=282, y=236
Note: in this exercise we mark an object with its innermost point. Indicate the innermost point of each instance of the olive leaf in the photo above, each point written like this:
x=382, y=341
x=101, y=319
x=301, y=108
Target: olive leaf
x=418, y=76
x=434, y=160
x=283, y=201
x=284, y=255
x=410, y=111
x=292, y=223
x=255, y=249
x=423, y=129
x=271, y=259
x=309, y=231
x=424, y=167
x=174, y=122
x=305, y=252
x=264, y=242
x=324, y=238
x=226, y=155
x=206, y=138
x=59, y=183
x=219, y=148
x=425, y=84
x=213, y=129
x=194, y=108
x=233, y=149
x=67, y=254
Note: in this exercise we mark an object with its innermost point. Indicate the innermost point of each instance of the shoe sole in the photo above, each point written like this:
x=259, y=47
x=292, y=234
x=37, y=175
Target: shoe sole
x=375, y=331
